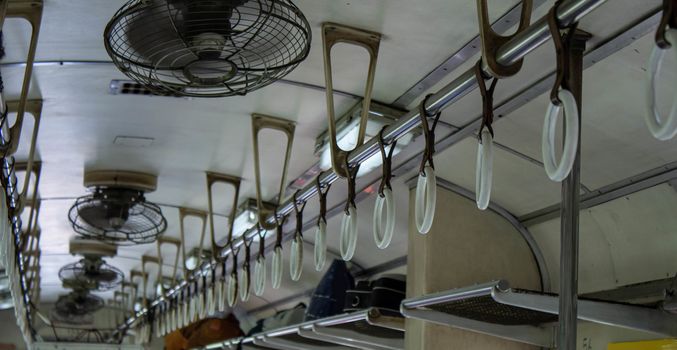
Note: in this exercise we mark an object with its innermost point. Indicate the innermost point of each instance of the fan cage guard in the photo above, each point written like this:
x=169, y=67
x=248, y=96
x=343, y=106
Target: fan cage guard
x=76, y=306
x=179, y=47
x=143, y=225
x=77, y=273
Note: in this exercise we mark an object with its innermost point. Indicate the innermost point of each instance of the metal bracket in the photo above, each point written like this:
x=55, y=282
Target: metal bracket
x=491, y=41
x=34, y=107
x=234, y=181
x=32, y=12
x=177, y=243
x=144, y=279
x=183, y=214
x=34, y=201
x=332, y=34
x=147, y=259
x=261, y=122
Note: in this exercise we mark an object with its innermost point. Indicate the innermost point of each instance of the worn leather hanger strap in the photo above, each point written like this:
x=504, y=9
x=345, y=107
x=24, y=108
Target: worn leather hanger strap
x=668, y=20
x=262, y=240
x=298, y=210
x=247, y=257
x=352, y=177
x=562, y=44
x=322, y=191
x=279, y=232
x=487, y=99
x=387, y=162
x=428, y=134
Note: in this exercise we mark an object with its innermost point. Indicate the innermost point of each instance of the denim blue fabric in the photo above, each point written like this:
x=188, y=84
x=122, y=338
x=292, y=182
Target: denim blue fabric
x=330, y=294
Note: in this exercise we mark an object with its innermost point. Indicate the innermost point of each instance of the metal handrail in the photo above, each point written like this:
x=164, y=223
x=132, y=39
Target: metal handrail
x=518, y=47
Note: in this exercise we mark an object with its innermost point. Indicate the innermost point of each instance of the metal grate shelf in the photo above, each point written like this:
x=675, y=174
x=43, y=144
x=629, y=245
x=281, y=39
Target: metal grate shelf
x=366, y=329
x=527, y=316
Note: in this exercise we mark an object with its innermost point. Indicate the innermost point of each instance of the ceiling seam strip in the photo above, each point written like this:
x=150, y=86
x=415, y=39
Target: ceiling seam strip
x=528, y=40
x=618, y=189
x=51, y=63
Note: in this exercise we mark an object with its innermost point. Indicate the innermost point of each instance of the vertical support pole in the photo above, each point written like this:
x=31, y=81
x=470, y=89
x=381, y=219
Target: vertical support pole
x=571, y=187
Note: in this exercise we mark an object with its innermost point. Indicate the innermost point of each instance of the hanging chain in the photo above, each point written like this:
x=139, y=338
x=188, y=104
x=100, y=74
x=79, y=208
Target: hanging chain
x=487, y=100
x=352, y=176
x=562, y=42
x=668, y=20
x=322, y=191
x=428, y=134
x=387, y=162
x=299, y=215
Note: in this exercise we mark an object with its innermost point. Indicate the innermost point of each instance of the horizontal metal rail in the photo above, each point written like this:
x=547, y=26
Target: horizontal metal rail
x=519, y=46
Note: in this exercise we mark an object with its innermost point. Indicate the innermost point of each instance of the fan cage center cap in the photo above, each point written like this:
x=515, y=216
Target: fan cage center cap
x=208, y=71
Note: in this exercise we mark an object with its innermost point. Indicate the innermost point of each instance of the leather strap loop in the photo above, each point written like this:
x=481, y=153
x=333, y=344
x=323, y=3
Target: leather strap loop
x=352, y=177
x=322, y=191
x=668, y=20
x=298, y=210
x=562, y=42
x=387, y=161
x=279, y=233
x=428, y=134
x=487, y=99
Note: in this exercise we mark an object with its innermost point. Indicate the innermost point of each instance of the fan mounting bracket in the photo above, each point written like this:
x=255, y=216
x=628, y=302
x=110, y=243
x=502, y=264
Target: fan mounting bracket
x=117, y=178
x=87, y=247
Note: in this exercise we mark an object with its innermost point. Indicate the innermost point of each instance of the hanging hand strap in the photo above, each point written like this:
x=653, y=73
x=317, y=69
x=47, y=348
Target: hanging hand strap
x=322, y=191
x=298, y=210
x=352, y=177
x=562, y=49
x=487, y=100
x=668, y=20
x=387, y=162
x=428, y=134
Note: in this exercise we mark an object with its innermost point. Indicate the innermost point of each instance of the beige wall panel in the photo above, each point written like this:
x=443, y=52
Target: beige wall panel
x=465, y=246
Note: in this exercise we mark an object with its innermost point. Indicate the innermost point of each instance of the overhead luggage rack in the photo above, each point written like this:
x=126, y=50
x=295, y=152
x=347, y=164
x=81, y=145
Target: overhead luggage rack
x=366, y=329
x=527, y=316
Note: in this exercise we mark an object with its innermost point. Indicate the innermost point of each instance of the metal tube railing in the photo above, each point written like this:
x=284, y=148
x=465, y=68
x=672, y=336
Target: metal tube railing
x=522, y=44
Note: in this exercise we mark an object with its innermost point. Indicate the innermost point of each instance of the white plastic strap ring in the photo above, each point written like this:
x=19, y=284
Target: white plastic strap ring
x=276, y=268
x=194, y=309
x=426, y=198
x=260, y=276
x=211, y=301
x=186, y=314
x=558, y=172
x=320, y=245
x=202, y=304
x=232, y=289
x=223, y=296
x=245, y=285
x=348, y=234
x=660, y=128
x=383, y=237
x=296, y=258
x=484, y=170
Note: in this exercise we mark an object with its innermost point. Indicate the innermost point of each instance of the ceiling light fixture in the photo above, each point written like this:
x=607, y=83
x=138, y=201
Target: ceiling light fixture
x=348, y=128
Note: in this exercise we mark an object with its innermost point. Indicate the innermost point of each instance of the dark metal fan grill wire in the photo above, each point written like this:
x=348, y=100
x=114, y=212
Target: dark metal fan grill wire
x=207, y=48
